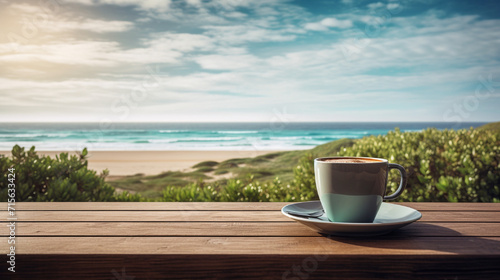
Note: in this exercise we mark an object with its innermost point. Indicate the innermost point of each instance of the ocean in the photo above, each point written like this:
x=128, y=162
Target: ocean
x=194, y=136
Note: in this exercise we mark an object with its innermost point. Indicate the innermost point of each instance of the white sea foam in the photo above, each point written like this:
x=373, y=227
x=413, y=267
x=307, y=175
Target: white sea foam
x=78, y=146
x=172, y=131
x=197, y=138
x=33, y=135
x=238, y=132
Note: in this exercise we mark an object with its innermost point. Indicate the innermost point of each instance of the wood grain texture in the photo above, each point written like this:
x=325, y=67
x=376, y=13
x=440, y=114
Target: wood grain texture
x=207, y=206
x=147, y=206
x=286, y=267
x=219, y=216
x=283, y=245
x=243, y=241
x=151, y=216
x=233, y=229
x=128, y=267
x=450, y=206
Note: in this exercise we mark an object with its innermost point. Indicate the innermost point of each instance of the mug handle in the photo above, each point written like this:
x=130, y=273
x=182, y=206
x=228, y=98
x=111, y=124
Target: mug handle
x=402, y=183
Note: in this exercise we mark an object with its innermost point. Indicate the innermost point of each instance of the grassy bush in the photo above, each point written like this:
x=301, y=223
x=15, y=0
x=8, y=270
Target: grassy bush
x=233, y=190
x=226, y=165
x=301, y=189
x=205, y=169
x=64, y=178
x=495, y=126
x=450, y=165
x=236, y=161
x=444, y=165
x=221, y=171
x=151, y=187
x=207, y=163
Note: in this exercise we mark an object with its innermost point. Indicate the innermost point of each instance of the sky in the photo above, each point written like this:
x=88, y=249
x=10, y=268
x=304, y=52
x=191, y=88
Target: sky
x=250, y=61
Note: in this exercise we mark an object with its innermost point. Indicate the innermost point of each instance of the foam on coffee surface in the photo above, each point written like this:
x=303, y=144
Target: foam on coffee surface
x=350, y=160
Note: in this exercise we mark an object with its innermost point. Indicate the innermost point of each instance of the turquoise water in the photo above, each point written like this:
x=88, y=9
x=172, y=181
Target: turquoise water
x=194, y=136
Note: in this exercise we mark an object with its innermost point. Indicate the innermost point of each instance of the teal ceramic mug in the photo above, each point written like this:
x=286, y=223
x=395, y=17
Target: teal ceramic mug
x=351, y=189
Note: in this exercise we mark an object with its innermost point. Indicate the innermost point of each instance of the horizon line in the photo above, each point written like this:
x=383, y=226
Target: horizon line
x=189, y=122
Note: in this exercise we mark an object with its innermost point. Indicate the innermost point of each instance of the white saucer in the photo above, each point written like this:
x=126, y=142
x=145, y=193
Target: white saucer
x=389, y=217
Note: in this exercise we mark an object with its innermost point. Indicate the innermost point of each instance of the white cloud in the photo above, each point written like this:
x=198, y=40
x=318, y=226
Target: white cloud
x=76, y=52
x=333, y=22
x=159, y=48
x=25, y=8
x=232, y=4
x=184, y=42
x=84, y=2
x=40, y=19
x=427, y=39
x=393, y=6
x=226, y=62
x=89, y=53
x=316, y=26
x=375, y=5
x=147, y=5
x=412, y=58
x=434, y=22
x=93, y=25
x=196, y=3
x=327, y=23
x=239, y=34
x=206, y=11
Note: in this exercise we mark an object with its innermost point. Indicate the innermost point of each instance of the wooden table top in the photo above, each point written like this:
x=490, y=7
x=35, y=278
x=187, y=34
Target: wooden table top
x=140, y=240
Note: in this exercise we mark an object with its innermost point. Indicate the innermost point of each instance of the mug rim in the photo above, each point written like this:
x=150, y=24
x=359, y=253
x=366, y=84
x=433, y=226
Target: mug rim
x=322, y=160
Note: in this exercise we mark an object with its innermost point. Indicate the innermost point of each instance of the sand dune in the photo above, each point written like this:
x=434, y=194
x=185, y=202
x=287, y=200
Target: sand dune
x=121, y=163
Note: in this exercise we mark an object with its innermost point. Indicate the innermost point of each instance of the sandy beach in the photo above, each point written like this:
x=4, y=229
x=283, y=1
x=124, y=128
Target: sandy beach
x=122, y=163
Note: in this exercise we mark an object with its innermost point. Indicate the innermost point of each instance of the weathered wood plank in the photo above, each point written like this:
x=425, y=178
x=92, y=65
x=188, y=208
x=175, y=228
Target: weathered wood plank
x=206, y=206
x=163, y=229
x=151, y=216
x=234, y=229
x=148, y=206
x=275, y=266
x=451, y=206
x=249, y=240
x=386, y=245
x=450, y=229
x=218, y=216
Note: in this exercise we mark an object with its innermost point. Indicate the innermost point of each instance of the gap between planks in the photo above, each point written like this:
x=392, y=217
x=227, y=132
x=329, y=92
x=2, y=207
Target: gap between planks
x=230, y=206
x=389, y=245
x=236, y=229
x=217, y=216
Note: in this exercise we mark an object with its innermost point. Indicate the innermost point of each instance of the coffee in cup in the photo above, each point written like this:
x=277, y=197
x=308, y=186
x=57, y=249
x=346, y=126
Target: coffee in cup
x=351, y=189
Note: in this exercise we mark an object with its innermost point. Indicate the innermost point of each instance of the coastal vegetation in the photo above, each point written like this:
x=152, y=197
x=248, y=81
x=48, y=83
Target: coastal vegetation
x=64, y=178
x=494, y=126
x=443, y=165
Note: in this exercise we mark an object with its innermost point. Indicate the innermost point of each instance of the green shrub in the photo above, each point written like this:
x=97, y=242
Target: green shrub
x=226, y=165
x=232, y=191
x=207, y=163
x=236, y=161
x=205, y=169
x=190, y=193
x=257, y=160
x=495, y=126
x=444, y=165
x=64, y=178
x=304, y=178
x=449, y=165
x=221, y=171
